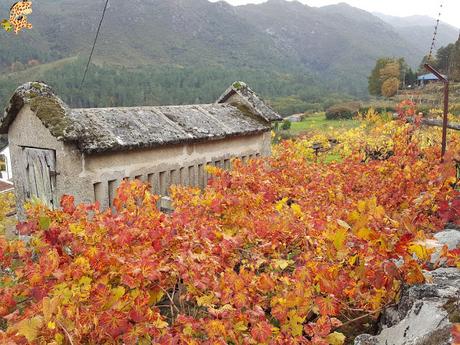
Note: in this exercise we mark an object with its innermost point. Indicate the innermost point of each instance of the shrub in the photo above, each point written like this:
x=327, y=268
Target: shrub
x=277, y=251
x=342, y=111
x=455, y=109
x=286, y=125
x=381, y=109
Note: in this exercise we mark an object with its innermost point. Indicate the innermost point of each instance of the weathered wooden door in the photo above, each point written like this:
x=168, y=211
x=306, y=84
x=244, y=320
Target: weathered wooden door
x=40, y=167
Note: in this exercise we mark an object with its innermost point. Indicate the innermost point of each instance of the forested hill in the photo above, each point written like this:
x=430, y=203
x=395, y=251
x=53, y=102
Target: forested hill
x=419, y=29
x=180, y=51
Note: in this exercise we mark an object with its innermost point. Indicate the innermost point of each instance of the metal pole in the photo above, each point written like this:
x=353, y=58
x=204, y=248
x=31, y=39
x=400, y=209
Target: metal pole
x=446, y=106
x=445, y=120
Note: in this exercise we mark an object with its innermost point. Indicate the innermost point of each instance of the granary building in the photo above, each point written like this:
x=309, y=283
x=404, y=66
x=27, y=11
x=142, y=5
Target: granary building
x=57, y=150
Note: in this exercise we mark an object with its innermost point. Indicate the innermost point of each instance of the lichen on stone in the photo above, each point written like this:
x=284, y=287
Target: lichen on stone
x=52, y=115
x=238, y=85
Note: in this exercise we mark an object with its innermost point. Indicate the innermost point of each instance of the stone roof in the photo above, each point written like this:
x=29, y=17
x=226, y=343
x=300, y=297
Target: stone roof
x=249, y=99
x=115, y=129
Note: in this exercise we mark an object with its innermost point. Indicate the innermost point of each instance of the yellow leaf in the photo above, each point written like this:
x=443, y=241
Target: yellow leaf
x=364, y=233
x=205, y=301
x=51, y=325
x=156, y=296
x=282, y=264
x=280, y=204
x=361, y=206
x=339, y=238
x=295, y=323
x=118, y=292
x=352, y=260
x=59, y=338
x=379, y=211
x=336, y=338
x=343, y=224
x=188, y=330
x=240, y=327
x=418, y=250
x=77, y=229
x=297, y=210
x=160, y=324
x=29, y=328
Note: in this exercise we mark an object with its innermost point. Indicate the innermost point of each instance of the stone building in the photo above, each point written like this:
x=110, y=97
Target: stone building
x=56, y=150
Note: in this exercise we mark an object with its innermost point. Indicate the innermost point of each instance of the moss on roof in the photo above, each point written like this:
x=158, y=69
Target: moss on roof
x=52, y=115
x=41, y=98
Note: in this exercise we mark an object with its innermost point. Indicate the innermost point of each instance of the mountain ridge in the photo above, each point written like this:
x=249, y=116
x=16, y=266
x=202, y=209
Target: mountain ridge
x=334, y=47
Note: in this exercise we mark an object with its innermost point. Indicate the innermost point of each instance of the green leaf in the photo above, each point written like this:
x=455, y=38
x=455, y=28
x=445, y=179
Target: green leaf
x=44, y=223
x=29, y=328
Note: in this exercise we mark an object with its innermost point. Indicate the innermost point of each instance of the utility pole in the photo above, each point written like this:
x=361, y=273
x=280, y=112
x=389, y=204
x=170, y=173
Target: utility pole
x=446, y=106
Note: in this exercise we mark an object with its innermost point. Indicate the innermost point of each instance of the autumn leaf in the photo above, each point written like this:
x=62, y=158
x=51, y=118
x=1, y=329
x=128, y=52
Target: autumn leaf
x=327, y=306
x=29, y=328
x=343, y=224
x=282, y=264
x=205, y=300
x=267, y=253
x=295, y=323
x=49, y=307
x=336, y=338
x=261, y=332
x=339, y=238
x=297, y=210
x=418, y=250
x=44, y=223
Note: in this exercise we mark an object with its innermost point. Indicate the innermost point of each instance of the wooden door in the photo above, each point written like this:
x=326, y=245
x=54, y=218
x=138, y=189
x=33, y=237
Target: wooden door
x=40, y=167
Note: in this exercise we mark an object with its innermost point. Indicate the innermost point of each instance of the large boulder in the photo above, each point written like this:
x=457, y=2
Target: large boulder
x=424, y=315
x=447, y=237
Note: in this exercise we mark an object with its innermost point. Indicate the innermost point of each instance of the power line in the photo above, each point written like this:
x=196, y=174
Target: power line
x=435, y=33
x=94, y=43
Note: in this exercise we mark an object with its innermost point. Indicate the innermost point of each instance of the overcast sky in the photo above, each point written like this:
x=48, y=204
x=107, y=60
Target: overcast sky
x=450, y=12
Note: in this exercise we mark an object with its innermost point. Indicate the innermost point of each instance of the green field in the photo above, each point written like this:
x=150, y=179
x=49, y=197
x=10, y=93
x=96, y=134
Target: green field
x=319, y=122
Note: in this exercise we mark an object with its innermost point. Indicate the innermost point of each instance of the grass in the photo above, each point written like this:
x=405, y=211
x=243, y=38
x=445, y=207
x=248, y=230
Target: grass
x=319, y=122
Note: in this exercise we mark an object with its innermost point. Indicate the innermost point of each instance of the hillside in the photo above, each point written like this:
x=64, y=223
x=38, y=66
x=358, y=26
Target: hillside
x=336, y=41
x=187, y=50
x=419, y=30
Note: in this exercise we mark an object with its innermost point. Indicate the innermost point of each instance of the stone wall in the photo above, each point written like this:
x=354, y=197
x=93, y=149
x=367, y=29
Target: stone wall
x=163, y=167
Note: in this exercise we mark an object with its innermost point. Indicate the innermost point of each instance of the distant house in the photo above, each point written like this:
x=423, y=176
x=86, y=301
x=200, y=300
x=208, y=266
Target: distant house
x=5, y=159
x=57, y=150
x=427, y=79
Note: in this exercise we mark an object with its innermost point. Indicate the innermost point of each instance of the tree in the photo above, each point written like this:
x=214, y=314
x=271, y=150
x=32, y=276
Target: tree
x=443, y=57
x=410, y=77
x=431, y=60
x=385, y=69
x=375, y=82
x=455, y=62
x=390, y=70
x=447, y=61
x=390, y=87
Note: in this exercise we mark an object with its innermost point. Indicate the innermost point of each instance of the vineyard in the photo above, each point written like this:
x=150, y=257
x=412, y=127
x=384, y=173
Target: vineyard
x=300, y=248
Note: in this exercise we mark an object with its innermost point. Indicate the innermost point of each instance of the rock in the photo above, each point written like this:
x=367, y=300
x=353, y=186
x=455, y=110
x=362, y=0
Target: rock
x=295, y=118
x=424, y=315
x=449, y=237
